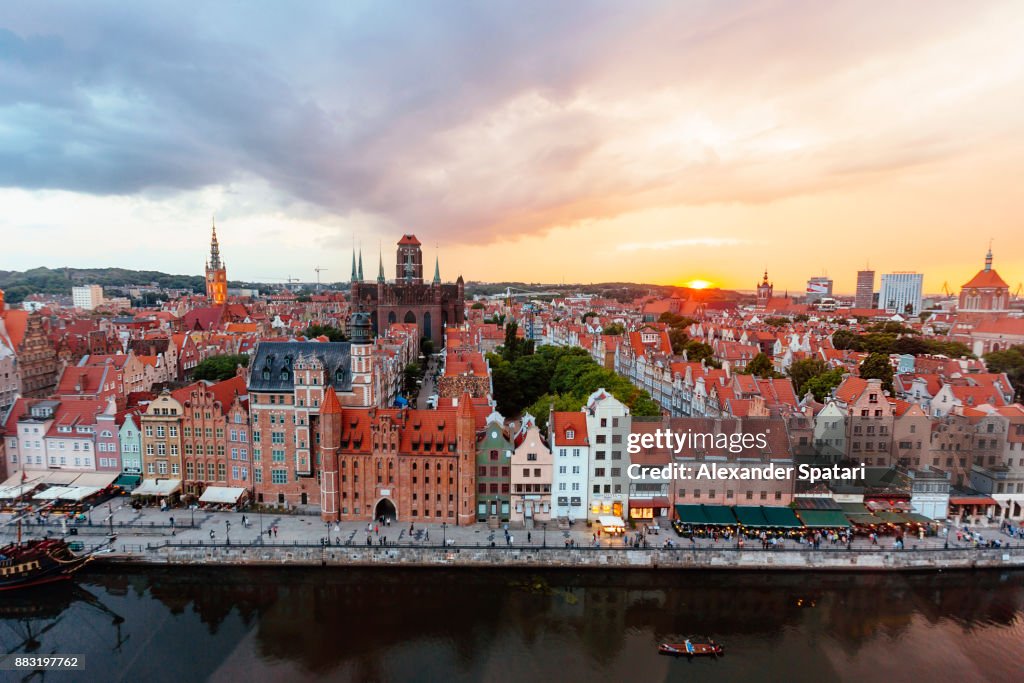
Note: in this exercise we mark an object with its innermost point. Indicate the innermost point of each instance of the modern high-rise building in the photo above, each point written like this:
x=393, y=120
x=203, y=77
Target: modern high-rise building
x=865, y=289
x=87, y=297
x=819, y=288
x=901, y=293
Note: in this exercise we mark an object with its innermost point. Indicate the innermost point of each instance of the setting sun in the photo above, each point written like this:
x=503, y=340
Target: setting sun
x=697, y=284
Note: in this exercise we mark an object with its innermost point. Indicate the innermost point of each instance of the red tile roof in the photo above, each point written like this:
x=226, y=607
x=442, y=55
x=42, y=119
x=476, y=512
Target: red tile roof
x=564, y=422
x=986, y=279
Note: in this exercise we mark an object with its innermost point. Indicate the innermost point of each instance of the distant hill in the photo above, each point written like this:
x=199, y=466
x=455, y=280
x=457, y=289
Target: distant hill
x=18, y=285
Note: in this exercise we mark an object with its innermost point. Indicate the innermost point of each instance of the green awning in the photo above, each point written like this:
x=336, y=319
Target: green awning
x=854, y=508
x=824, y=519
x=780, y=517
x=719, y=515
x=917, y=517
x=891, y=517
x=691, y=514
x=863, y=519
x=750, y=516
x=128, y=481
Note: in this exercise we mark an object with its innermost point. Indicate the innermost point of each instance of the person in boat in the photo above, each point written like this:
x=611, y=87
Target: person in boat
x=689, y=646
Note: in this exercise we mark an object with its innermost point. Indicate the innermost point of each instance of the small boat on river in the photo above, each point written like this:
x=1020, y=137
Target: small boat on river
x=692, y=647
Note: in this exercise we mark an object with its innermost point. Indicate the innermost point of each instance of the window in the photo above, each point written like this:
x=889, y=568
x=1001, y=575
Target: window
x=279, y=476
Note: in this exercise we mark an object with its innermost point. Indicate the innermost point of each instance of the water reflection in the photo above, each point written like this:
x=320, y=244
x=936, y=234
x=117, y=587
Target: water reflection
x=386, y=624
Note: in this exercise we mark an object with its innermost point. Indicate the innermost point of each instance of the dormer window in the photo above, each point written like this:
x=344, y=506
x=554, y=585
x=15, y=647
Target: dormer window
x=266, y=373
x=570, y=434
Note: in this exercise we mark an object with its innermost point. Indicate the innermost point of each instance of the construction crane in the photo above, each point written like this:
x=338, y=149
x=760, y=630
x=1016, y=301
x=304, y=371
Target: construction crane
x=1016, y=292
x=946, y=290
x=318, y=269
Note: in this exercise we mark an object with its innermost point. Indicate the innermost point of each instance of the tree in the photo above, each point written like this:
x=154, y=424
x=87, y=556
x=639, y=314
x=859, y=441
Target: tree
x=413, y=372
x=822, y=385
x=426, y=346
x=588, y=315
x=220, y=368
x=678, y=339
x=776, y=321
x=614, y=328
x=760, y=366
x=802, y=371
x=1010, y=361
x=877, y=366
x=318, y=330
x=477, y=306
x=675, y=321
x=845, y=339
x=697, y=351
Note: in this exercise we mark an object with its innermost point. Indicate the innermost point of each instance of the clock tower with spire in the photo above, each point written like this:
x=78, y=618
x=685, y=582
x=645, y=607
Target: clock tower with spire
x=216, y=274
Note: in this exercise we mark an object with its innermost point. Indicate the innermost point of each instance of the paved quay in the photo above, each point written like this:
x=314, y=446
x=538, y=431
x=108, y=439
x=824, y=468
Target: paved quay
x=218, y=537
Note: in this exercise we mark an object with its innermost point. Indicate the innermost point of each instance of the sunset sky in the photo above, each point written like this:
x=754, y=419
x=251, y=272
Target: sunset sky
x=537, y=141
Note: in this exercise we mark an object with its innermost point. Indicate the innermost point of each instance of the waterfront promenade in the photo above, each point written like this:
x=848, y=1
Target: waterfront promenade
x=184, y=536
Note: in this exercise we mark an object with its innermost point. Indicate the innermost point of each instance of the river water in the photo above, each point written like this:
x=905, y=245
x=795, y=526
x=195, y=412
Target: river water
x=182, y=624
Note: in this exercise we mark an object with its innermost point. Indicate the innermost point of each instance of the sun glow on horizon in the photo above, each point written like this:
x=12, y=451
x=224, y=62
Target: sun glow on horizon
x=698, y=284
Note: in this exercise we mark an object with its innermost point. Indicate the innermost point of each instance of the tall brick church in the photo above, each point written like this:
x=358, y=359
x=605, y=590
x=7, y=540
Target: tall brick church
x=408, y=299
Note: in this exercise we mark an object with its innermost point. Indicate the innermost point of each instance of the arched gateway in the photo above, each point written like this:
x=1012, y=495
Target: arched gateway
x=385, y=508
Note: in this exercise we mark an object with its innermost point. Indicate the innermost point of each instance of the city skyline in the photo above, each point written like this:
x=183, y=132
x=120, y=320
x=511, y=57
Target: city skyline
x=648, y=144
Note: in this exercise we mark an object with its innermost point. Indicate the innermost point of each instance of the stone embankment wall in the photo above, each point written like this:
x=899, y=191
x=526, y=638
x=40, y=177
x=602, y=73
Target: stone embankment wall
x=581, y=558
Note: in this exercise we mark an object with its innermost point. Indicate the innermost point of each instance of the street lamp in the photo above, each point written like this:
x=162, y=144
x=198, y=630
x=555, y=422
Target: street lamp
x=444, y=534
x=110, y=517
x=192, y=509
x=227, y=530
x=544, y=526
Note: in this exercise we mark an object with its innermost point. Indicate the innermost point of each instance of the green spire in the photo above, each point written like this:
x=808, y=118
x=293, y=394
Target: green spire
x=353, y=265
x=437, y=271
x=360, y=265
x=380, y=274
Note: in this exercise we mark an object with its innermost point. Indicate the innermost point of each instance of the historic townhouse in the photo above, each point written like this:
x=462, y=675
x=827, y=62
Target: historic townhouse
x=570, y=449
x=608, y=427
x=869, y=420
x=161, y=442
x=130, y=443
x=214, y=418
x=911, y=435
x=531, y=476
x=734, y=491
x=493, y=471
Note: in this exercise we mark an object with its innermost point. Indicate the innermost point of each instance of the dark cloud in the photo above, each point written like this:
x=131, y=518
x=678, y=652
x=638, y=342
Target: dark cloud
x=406, y=111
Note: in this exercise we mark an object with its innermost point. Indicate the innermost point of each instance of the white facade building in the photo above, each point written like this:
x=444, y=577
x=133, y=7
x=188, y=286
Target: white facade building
x=87, y=297
x=901, y=293
x=570, y=450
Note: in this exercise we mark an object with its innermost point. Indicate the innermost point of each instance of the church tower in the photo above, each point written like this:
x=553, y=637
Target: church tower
x=409, y=266
x=216, y=274
x=986, y=292
x=764, y=291
x=361, y=356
